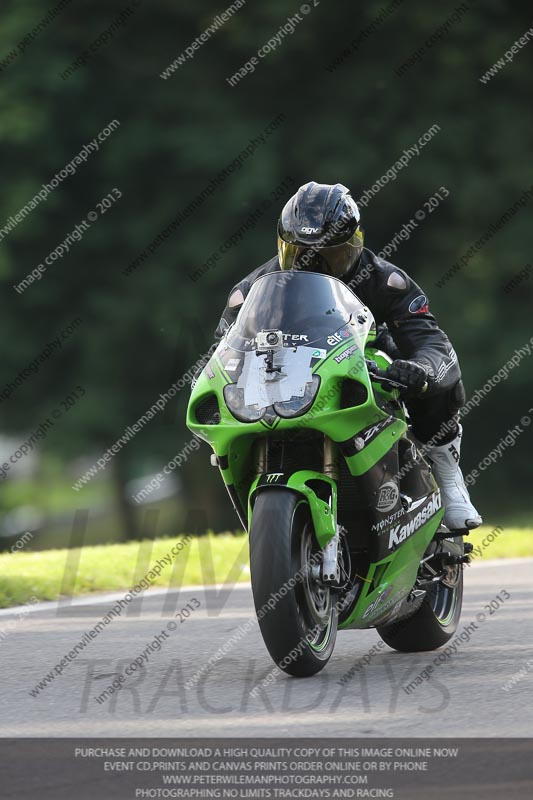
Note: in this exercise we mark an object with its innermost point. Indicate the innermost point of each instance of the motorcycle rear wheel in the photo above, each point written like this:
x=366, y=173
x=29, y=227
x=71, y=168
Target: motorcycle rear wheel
x=435, y=622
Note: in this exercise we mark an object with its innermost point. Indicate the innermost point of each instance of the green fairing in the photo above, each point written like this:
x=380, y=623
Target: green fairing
x=398, y=577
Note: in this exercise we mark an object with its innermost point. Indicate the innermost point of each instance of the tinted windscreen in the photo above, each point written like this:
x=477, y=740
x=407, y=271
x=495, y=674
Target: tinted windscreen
x=301, y=304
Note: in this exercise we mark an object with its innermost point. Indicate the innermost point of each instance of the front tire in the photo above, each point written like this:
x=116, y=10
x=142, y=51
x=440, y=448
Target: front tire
x=435, y=622
x=296, y=611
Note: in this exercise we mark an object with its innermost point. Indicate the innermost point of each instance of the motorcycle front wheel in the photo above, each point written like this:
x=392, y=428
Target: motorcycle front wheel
x=296, y=611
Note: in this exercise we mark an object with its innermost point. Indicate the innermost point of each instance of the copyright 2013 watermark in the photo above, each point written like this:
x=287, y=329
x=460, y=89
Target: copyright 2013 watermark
x=275, y=41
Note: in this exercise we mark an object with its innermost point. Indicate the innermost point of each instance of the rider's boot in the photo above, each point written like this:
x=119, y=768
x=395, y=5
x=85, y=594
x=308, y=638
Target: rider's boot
x=459, y=511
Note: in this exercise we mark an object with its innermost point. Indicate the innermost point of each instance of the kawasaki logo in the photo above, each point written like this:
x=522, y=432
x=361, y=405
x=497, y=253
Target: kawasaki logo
x=401, y=532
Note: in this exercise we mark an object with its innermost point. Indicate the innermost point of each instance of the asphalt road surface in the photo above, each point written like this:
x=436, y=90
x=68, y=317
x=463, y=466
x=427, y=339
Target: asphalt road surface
x=465, y=694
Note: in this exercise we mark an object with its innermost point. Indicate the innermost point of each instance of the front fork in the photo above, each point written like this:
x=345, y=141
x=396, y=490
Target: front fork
x=323, y=512
x=330, y=572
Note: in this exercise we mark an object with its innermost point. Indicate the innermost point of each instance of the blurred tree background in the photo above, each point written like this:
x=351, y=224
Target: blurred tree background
x=345, y=119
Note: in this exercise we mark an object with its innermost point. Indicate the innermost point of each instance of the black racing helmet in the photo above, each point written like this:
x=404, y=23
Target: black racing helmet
x=318, y=230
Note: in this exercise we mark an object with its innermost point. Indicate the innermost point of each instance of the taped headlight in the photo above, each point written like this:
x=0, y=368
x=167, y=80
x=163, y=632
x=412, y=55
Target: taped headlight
x=297, y=406
x=234, y=398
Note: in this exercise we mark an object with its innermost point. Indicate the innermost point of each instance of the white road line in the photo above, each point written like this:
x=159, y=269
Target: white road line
x=98, y=599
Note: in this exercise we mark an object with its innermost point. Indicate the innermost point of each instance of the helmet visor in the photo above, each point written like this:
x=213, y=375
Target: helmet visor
x=335, y=261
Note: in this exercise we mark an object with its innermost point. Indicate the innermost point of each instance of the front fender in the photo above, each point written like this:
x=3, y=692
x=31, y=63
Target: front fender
x=319, y=491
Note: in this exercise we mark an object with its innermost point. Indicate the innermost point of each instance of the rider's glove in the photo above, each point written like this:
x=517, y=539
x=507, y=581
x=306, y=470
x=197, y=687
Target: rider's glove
x=412, y=374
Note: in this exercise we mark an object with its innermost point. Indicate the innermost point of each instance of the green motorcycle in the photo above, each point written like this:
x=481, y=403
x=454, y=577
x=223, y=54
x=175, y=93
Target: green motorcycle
x=343, y=513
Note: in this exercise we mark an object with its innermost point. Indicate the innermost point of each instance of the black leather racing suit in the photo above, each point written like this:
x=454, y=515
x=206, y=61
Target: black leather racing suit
x=407, y=330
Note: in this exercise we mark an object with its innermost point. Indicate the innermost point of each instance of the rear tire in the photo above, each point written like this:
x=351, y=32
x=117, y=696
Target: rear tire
x=300, y=626
x=435, y=622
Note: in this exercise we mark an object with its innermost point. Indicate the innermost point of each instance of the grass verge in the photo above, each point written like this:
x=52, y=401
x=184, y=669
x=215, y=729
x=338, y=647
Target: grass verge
x=50, y=574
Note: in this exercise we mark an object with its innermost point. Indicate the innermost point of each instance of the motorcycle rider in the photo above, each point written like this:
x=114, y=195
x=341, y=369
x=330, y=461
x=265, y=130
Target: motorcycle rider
x=319, y=230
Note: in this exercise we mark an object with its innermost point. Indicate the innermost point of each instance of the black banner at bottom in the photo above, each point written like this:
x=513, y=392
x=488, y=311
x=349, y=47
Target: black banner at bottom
x=405, y=769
